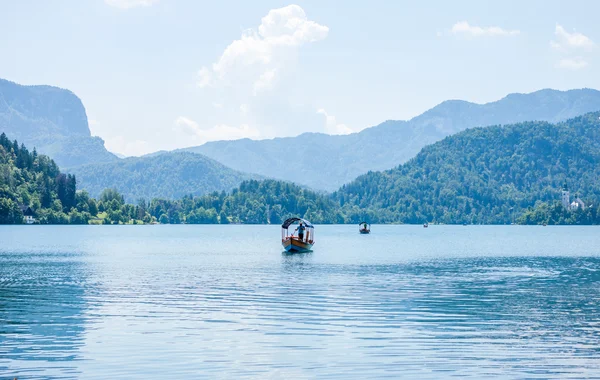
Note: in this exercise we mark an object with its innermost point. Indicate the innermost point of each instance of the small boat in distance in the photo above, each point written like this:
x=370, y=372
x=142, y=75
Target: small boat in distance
x=364, y=228
x=425, y=225
x=305, y=238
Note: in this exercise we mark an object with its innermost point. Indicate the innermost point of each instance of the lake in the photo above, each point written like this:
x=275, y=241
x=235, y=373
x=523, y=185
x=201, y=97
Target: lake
x=158, y=302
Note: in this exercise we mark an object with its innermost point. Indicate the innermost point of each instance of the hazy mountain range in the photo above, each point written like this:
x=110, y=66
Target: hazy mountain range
x=491, y=175
x=54, y=121
x=326, y=162
x=169, y=175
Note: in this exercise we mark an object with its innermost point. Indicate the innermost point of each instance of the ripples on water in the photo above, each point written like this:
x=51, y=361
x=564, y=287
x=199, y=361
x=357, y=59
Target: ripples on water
x=224, y=302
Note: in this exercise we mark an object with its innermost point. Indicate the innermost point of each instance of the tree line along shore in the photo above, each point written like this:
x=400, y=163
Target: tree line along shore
x=492, y=175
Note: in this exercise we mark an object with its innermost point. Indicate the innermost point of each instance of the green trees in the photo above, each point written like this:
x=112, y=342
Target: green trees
x=510, y=174
x=116, y=211
x=554, y=214
x=110, y=195
x=30, y=179
x=65, y=188
x=254, y=202
x=169, y=175
x=10, y=213
x=483, y=175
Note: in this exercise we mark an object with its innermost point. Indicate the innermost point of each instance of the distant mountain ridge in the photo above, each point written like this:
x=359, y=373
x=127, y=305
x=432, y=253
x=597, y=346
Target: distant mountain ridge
x=484, y=175
x=51, y=119
x=170, y=175
x=326, y=162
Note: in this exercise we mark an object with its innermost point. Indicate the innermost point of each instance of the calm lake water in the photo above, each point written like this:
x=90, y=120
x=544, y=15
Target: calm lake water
x=173, y=302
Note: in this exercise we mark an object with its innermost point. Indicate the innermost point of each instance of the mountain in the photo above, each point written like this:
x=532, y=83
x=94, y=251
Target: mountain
x=168, y=175
x=52, y=120
x=32, y=185
x=326, y=162
x=253, y=202
x=483, y=175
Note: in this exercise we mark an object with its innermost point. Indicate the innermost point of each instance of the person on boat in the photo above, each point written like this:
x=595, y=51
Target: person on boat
x=300, y=230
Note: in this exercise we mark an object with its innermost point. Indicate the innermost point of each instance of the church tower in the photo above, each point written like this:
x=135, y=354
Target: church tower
x=566, y=196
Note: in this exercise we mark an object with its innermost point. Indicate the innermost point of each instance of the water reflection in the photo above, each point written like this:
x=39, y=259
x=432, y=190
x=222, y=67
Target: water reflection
x=473, y=317
x=186, y=302
x=42, y=306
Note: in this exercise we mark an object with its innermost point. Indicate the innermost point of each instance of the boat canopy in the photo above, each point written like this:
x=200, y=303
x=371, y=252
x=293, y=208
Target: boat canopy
x=365, y=223
x=307, y=237
x=291, y=221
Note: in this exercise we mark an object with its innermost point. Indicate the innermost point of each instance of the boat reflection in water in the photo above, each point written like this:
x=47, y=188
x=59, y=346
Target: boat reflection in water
x=302, y=237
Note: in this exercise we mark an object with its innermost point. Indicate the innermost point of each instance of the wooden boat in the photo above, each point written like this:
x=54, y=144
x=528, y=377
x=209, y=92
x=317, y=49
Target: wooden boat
x=293, y=243
x=364, y=228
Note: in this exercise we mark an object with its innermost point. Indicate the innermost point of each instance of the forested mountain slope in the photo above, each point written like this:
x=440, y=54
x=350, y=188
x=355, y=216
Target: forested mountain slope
x=168, y=175
x=326, y=162
x=29, y=179
x=484, y=175
x=253, y=202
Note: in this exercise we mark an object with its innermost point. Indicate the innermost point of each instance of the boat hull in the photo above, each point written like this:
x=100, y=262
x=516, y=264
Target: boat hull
x=364, y=231
x=295, y=245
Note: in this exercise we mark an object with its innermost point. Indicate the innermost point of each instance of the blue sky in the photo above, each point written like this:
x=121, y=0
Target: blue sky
x=165, y=74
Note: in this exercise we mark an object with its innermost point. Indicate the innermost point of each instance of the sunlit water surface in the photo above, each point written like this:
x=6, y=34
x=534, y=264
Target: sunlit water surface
x=173, y=302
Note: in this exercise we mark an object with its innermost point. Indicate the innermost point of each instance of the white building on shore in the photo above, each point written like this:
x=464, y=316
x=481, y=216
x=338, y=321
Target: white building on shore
x=566, y=200
x=28, y=215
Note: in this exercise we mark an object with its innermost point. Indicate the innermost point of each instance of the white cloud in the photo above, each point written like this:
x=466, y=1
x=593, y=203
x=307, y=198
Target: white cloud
x=566, y=41
x=260, y=55
x=118, y=144
x=332, y=127
x=188, y=126
x=199, y=135
x=464, y=28
x=127, y=4
x=255, y=78
x=204, y=77
x=570, y=46
x=572, y=63
x=265, y=82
